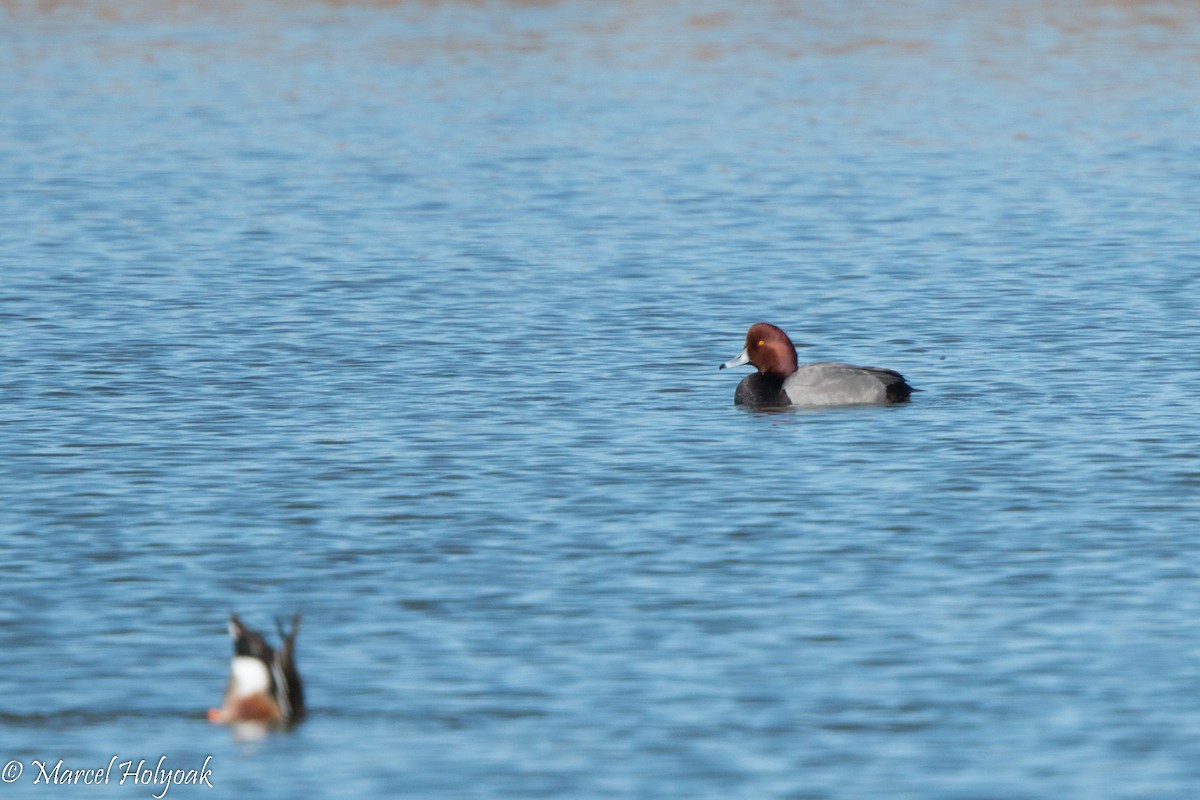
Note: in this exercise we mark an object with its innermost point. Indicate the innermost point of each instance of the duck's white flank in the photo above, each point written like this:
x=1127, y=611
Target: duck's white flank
x=250, y=676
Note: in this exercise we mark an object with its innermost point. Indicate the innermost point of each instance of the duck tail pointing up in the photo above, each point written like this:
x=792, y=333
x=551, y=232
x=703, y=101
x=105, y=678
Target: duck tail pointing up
x=289, y=689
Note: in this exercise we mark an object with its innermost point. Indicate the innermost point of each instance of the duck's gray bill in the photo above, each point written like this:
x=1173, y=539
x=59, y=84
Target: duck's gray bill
x=743, y=358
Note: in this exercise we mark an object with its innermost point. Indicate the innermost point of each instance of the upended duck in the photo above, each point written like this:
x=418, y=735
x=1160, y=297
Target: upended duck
x=264, y=686
x=779, y=381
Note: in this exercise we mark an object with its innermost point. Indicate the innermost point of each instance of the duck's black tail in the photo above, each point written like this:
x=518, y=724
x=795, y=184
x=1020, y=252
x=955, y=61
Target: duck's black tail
x=289, y=689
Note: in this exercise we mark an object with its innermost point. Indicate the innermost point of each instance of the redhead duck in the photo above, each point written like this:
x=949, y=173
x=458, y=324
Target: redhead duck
x=264, y=686
x=780, y=382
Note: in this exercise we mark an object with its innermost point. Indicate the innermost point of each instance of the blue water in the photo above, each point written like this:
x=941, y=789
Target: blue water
x=408, y=316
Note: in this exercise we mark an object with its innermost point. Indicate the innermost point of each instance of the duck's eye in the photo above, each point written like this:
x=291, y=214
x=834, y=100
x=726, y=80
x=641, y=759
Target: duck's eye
x=761, y=342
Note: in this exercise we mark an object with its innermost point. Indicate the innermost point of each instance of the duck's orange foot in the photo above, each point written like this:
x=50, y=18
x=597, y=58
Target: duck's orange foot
x=214, y=715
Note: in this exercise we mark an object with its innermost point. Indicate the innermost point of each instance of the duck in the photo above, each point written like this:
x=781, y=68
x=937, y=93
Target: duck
x=779, y=381
x=264, y=686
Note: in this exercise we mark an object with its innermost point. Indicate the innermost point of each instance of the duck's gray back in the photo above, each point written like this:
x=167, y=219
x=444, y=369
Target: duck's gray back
x=830, y=383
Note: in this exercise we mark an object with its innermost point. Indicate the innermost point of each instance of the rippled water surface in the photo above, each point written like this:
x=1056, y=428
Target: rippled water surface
x=407, y=315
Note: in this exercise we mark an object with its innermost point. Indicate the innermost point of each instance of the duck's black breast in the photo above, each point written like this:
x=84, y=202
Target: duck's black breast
x=760, y=390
